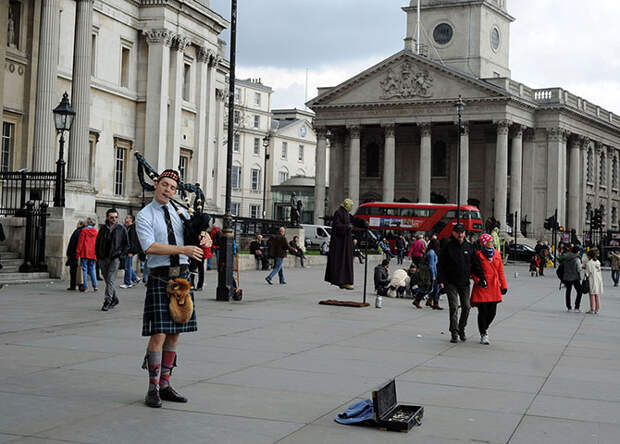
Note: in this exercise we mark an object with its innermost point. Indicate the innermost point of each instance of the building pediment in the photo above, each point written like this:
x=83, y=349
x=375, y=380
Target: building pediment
x=403, y=78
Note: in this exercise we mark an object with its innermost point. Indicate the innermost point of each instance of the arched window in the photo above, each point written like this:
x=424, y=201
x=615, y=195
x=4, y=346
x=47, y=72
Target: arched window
x=372, y=160
x=589, y=165
x=602, y=169
x=283, y=175
x=301, y=173
x=439, y=162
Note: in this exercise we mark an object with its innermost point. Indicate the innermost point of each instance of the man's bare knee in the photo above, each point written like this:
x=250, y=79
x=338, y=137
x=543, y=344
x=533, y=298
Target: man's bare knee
x=156, y=342
x=171, y=339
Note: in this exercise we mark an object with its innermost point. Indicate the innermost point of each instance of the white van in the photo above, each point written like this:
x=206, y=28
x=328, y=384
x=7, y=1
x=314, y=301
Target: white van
x=317, y=236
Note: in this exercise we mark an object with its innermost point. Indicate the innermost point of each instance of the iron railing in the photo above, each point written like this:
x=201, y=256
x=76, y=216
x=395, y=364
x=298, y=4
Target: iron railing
x=19, y=187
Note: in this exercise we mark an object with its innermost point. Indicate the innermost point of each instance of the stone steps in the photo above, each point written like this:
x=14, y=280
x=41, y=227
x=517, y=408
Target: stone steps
x=10, y=275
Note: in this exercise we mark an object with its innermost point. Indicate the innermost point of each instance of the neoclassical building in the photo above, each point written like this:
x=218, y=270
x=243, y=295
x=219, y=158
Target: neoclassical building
x=145, y=76
x=393, y=127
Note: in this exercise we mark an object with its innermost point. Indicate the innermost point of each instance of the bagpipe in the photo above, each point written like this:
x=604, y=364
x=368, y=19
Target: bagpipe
x=196, y=226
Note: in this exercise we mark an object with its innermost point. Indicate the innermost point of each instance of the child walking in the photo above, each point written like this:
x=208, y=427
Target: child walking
x=595, y=279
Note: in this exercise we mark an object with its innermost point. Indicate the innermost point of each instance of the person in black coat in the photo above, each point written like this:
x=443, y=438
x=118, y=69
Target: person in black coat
x=339, y=270
x=257, y=248
x=72, y=260
x=457, y=262
x=296, y=249
x=382, y=279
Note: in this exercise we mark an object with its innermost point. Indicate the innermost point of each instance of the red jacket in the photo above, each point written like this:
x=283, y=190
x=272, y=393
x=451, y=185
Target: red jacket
x=417, y=248
x=496, y=281
x=86, y=243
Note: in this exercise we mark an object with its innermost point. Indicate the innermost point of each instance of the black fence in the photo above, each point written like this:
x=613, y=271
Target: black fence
x=17, y=188
x=34, y=248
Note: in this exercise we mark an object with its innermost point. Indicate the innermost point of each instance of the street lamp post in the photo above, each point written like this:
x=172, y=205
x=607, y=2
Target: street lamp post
x=63, y=119
x=225, y=285
x=266, y=143
x=459, y=110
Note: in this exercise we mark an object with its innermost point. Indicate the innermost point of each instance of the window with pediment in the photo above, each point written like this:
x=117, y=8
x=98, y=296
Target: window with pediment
x=602, y=169
x=614, y=172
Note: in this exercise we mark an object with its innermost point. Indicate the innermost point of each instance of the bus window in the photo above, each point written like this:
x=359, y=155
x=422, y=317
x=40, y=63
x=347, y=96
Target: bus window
x=392, y=211
x=406, y=212
x=422, y=212
x=363, y=210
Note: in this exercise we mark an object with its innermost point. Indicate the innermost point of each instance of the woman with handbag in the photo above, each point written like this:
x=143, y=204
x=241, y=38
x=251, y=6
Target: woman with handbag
x=595, y=280
x=487, y=298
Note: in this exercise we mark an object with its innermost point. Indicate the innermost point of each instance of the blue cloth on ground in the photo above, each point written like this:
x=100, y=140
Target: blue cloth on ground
x=361, y=412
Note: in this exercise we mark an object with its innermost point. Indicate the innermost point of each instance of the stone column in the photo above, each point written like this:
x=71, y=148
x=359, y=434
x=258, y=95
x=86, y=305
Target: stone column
x=556, y=194
x=389, y=162
x=211, y=143
x=424, y=173
x=464, y=163
x=200, y=125
x=78, y=163
x=156, y=120
x=528, y=174
x=336, y=169
x=319, y=175
x=516, y=169
x=501, y=173
x=609, y=204
x=574, y=182
x=583, y=174
x=44, y=145
x=179, y=43
x=354, y=166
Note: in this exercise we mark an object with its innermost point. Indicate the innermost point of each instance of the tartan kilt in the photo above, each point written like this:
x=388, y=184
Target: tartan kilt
x=156, y=317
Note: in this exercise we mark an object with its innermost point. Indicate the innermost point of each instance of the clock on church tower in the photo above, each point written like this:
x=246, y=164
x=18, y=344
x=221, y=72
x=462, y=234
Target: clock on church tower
x=472, y=36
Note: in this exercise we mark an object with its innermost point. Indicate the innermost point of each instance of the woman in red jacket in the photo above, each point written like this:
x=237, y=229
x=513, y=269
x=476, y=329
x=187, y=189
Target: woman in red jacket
x=486, y=299
x=86, y=252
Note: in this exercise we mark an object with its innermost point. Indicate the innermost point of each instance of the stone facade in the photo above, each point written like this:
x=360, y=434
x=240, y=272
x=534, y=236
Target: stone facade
x=145, y=76
x=393, y=129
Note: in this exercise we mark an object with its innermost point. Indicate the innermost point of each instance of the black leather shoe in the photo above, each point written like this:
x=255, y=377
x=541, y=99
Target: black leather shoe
x=152, y=399
x=462, y=336
x=170, y=394
x=106, y=306
x=454, y=339
x=114, y=302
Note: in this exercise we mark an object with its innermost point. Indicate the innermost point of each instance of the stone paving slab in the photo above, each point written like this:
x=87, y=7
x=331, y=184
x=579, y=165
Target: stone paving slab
x=277, y=367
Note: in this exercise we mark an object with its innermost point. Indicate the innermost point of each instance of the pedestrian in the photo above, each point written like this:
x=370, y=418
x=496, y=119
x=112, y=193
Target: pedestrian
x=85, y=251
x=207, y=253
x=297, y=250
x=339, y=269
x=572, y=277
x=417, y=250
x=72, y=259
x=279, y=249
x=357, y=252
x=401, y=247
x=595, y=280
x=384, y=245
x=496, y=239
x=257, y=248
x=486, y=297
x=614, y=256
x=457, y=262
x=424, y=282
x=160, y=231
x=216, y=236
x=133, y=248
x=381, y=277
x=432, y=257
x=111, y=245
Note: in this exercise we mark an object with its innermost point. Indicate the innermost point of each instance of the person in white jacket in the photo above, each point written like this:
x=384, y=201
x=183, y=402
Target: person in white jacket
x=595, y=280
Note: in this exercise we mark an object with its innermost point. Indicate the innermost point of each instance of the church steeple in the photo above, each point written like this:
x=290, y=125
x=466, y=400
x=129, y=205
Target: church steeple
x=472, y=36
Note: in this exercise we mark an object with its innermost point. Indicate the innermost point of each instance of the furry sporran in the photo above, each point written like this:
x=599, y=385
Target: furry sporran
x=181, y=305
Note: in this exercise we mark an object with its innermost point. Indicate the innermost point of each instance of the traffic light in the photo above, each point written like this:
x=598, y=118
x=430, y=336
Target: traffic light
x=551, y=223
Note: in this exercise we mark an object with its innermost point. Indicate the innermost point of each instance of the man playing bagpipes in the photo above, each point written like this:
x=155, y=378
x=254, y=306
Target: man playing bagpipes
x=164, y=230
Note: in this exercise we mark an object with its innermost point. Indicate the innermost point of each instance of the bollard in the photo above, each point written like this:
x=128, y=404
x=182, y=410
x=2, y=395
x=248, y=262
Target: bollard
x=378, y=301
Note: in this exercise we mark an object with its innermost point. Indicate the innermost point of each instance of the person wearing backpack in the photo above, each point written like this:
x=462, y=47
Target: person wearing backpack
x=571, y=277
x=424, y=281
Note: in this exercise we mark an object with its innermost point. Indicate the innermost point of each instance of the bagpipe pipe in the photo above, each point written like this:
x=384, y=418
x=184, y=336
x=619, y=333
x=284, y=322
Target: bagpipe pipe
x=197, y=225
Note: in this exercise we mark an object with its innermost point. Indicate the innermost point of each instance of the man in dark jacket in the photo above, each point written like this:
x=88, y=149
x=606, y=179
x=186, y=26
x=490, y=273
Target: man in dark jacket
x=72, y=260
x=401, y=246
x=279, y=249
x=572, y=277
x=111, y=244
x=257, y=248
x=382, y=279
x=133, y=248
x=456, y=264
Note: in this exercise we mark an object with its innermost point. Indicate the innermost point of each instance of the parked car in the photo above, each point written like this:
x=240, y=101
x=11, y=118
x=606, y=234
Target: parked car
x=520, y=252
x=317, y=236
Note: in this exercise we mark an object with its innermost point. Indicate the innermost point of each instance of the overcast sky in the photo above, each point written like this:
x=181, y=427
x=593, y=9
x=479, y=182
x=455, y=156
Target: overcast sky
x=554, y=43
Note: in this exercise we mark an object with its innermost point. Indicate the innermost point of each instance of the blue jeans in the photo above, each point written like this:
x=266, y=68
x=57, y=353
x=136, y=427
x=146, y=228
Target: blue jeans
x=277, y=269
x=130, y=275
x=145, y=272
x=88, y=269
x=434, y=293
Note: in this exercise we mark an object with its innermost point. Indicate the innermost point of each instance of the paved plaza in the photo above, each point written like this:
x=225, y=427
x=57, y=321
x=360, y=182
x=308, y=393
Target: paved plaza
x=278, y=367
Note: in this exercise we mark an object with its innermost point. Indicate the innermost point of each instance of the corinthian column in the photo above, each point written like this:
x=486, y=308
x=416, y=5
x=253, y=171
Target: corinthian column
x=424, y=173
x=556, y=192
x=80, y=93
x=465, y=163
x=354, y=166
x=389, y=162
x=179, y=44
x=501, y=173
x=201, y=144
x=319, y=175
x=157, y=78
x=516, y=169
x=336, y=169
x=44, y=147
x=574, y=182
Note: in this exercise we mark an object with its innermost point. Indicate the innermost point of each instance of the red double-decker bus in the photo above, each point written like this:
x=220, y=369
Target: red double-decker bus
x=419, y=217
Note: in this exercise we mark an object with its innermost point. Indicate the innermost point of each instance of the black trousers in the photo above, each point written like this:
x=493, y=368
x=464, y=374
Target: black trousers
x=569, y=285
x=486, y=314
x=73, y=268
